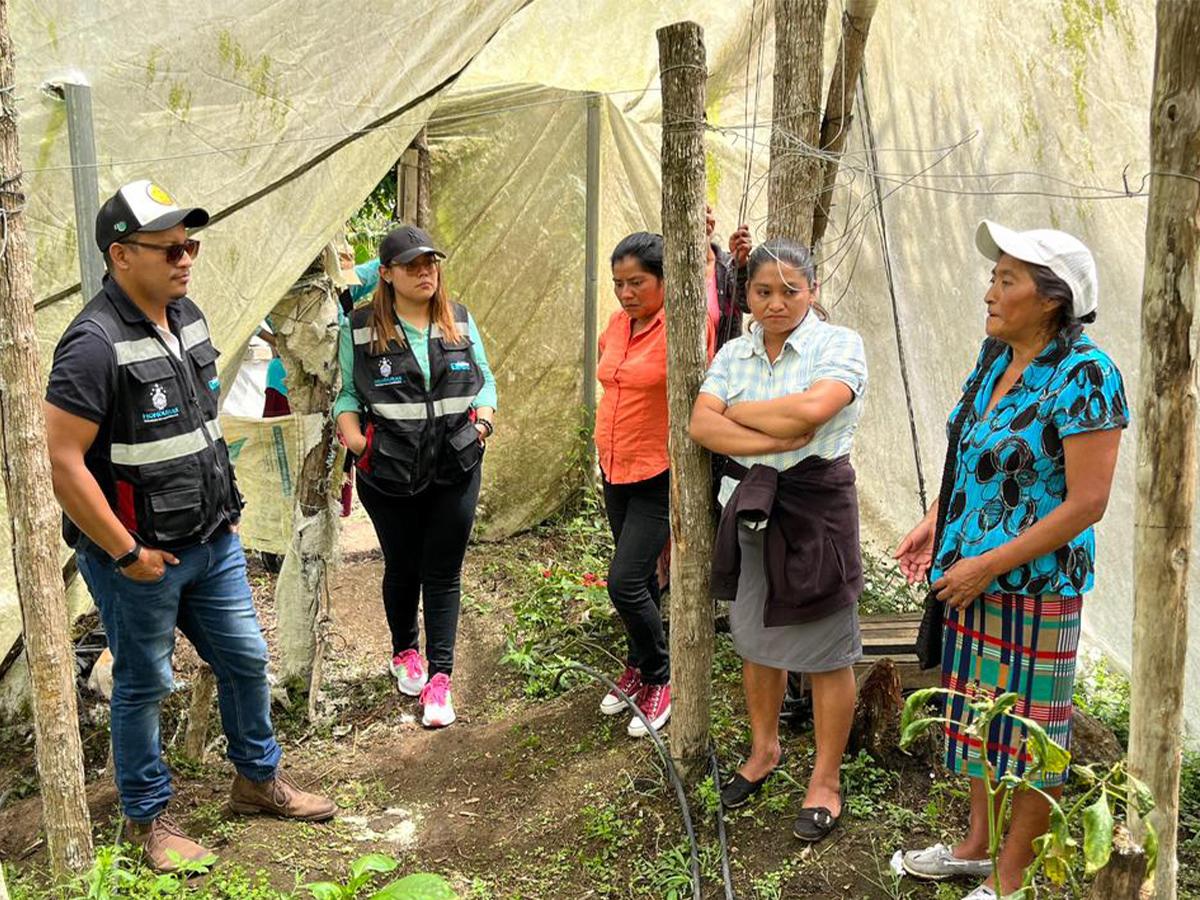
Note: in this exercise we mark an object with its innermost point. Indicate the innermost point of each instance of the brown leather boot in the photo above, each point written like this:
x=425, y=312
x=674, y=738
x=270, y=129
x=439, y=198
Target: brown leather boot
x=278, y=796
x=164, y=846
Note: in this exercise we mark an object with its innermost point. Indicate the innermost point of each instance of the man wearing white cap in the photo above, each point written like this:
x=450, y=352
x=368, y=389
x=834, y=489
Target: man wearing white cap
x=151, y=507
x=1009, y=546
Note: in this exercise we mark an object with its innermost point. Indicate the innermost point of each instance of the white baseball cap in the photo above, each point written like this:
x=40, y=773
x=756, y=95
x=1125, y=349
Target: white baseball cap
x=1063, y=254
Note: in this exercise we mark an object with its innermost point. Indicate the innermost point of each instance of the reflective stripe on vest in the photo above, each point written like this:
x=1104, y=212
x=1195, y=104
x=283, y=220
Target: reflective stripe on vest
x=362, y=336
x=193, y=333
x=138, y=351
x=166, y=449
x=409, y=412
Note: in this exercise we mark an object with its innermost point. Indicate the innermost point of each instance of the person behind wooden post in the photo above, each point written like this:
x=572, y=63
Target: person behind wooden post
x=783, y=402
x=1032, y=474
x=417, y=406
x=631, y=442
x=151, y=507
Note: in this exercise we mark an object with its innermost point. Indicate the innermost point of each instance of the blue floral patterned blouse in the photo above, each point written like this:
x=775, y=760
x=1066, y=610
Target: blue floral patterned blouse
x=1011, y=470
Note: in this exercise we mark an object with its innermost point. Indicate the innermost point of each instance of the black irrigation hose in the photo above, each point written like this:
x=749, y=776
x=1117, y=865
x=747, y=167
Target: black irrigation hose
x=726, y=875
x=684, y=810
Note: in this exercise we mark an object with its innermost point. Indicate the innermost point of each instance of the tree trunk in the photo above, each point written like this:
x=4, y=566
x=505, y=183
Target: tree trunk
x=307, y=334
x=33, y=513
x=876, y=726
x=795, y=175
x=682, y=64
x=424, y=179
x=1166, y=418
x=839, y=103
x=204, y=691
x=1123, y=877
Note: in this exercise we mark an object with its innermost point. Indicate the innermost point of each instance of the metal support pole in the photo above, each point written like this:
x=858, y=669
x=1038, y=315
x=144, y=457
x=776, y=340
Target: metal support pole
x=81, y=137
x=591, y=255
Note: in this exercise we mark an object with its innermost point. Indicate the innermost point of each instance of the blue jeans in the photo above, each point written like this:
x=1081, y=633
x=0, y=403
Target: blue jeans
x=208, y=598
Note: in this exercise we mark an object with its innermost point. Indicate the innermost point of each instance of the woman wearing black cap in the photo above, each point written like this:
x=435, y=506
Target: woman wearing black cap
x=416, y=406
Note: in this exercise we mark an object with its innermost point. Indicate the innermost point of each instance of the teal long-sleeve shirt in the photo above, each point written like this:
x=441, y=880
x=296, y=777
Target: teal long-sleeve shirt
x=348, y=399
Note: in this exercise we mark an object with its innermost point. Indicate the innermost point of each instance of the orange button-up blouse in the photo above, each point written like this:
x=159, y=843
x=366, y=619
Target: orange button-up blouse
x=631, y=419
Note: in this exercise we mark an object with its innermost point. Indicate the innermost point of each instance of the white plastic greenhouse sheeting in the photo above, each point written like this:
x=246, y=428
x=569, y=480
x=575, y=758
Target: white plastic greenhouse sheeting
x=978, y=109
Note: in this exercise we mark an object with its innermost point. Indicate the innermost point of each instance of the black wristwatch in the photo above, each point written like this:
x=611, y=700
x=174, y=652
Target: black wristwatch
x=124, y=562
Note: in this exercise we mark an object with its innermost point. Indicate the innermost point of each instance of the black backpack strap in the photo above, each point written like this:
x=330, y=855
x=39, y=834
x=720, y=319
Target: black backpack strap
x=992, y=349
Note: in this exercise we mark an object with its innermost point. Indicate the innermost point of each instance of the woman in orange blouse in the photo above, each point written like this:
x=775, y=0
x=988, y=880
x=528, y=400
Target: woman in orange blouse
x=631, y=439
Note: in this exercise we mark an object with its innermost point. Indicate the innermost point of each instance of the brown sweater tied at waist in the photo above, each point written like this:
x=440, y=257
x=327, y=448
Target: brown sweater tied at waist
x=811, y=552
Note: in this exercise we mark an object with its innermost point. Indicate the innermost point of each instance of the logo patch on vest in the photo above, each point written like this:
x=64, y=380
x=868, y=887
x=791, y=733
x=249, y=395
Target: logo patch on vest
x=460, y=367
x=385, y=374
x=158, y=399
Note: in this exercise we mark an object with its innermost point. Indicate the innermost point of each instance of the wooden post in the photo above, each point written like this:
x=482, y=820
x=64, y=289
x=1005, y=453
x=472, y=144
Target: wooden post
x=839, y=102
x=204, y=690
x=682, y=64
x=1166, y=419
x=424, y=179
x=1122, y=878
x=33, y=514
x=795, y=174
x=307, y=334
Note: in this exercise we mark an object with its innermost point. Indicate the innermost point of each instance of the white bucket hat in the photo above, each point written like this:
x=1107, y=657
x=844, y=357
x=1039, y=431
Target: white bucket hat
x=1063, y=254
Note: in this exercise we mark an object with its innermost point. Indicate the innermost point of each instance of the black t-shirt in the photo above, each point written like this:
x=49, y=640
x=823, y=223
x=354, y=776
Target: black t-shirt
x=83, y=377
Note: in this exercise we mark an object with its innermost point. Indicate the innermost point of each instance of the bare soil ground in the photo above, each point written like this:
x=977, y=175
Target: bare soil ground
x=520, y=798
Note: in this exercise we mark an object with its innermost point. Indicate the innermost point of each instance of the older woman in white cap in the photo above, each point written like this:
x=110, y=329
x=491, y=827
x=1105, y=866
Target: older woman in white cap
x=1009, y=546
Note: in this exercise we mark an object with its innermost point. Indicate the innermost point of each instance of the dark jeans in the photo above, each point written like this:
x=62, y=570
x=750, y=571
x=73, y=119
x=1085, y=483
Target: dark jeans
x=208, y=598
x=639, y=518
x=424, y=540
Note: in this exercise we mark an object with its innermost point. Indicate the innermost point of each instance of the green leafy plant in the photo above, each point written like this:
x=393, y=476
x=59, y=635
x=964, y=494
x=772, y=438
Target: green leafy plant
x=885, y=589
x=565, y=616
x=364, y=870
x=1057, y=851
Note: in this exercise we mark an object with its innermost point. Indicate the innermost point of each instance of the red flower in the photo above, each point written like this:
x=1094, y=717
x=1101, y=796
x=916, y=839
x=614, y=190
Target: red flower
x=546, y=573
x=602, y=583
x=589, y=578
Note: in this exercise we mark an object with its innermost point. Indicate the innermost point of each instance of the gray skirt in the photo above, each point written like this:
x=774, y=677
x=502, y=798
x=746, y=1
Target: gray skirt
x=824, y=645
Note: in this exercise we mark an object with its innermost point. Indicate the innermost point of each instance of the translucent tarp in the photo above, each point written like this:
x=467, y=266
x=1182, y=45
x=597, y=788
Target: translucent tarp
x=1003, y=110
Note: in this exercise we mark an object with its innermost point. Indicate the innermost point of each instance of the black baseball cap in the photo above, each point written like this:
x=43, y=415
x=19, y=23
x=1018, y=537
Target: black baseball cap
x=404, y=244
x=142, y=206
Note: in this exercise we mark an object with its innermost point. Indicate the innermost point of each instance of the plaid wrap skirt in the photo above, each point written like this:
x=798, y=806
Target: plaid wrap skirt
x=1006, y=643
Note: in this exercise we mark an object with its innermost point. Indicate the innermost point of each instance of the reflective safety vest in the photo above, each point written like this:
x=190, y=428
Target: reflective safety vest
x=418, y=434
x=165, y=467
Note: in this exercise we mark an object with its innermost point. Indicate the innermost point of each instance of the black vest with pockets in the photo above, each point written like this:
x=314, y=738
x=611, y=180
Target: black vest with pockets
x=418, y=434
x=166, y=470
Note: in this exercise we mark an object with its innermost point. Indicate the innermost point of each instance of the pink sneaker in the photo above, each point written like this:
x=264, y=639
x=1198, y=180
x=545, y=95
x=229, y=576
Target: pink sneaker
x=655, y=703
x=409, y=669
x=630, y=682
x=439, y=711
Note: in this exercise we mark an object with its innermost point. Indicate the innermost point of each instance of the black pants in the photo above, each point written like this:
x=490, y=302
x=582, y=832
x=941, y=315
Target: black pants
x=424, y=540
x=638, y=516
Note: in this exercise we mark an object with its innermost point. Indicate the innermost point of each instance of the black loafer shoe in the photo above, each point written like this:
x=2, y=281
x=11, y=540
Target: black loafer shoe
x=814, y=824
x=740, y=789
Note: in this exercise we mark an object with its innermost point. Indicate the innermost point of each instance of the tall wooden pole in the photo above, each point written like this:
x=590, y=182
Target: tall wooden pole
x=1166, y=417
x=424, y=179
x=839, y=103
x=682, y=64
x=795, y=177
x=33, y=514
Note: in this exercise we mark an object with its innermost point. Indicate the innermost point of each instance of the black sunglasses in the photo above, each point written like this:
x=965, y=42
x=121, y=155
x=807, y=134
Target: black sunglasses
x=173, y=252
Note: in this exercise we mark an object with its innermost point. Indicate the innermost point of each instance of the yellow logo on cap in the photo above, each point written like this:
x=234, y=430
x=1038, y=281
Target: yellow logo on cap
x=158, y=195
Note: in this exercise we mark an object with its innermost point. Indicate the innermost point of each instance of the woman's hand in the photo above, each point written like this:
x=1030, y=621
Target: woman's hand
x=740, y=245
x=915, y=553
x=355, y=443
x=787, y=445
x=964, y=581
